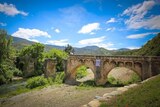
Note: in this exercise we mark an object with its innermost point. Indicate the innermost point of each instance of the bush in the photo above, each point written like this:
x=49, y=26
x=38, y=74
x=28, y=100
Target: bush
x=59, y=78
x=81, y=72
x=17, y=72
x=6, y=74
x=134, y=78
x=36, y=82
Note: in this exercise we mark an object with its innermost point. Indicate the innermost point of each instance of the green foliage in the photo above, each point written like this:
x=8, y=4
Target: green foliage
x=151, y=48
x=87, y=85
x=42, y=81
x=4, y=45
x=36, y=82
x=145, y=95
x=59, y=78
x=69, y=49
x=81, y=72
x=17, y=72
x=59, y=55
x=6, y=73
x=134, y=78
x=34, y=51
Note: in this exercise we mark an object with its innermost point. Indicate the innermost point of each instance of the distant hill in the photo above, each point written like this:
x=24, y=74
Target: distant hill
x=151, y=48
x=92, y=50
x=19, y=43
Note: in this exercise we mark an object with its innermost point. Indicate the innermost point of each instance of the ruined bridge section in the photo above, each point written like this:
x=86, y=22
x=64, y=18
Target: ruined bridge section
x=145, y=67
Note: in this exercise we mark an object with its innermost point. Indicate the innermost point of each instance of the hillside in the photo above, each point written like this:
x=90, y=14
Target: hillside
x=151, y=48
x=19, y=43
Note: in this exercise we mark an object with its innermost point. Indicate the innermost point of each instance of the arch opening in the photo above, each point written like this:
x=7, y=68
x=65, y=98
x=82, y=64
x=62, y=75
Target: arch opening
x=122, y=76
x=84, y=75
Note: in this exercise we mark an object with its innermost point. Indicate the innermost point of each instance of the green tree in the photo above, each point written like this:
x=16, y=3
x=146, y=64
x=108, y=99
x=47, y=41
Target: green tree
x=34, y=51
x=69, y=49
x=4, y=45
x=6, y=63
x=59, y=55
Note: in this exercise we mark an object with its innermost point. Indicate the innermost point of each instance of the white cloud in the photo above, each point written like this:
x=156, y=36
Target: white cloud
x=11, y=10
x=92, y=33
x=106, y=45
x=137, y=36
x=62, y=42
x=112, y=20
x=96, y=42
x=137, y=13
x=89, y=28
x=92, y=41
x=33, y=40
x=57, y=30
x=3, y=24
x=133, y=47
x=110, y=29
x=30, y=33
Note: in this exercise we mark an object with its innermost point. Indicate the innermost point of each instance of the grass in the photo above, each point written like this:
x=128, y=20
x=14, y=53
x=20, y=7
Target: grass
x=90, y=84
x=145, y=95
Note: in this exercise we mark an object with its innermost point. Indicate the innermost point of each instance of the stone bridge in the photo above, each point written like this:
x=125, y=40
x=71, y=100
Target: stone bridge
x=144, y=66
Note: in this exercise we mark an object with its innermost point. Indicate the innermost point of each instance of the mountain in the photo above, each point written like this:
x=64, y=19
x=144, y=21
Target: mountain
x=19, y=43
x=92, y=50
x=123, y=49
x=151, y=48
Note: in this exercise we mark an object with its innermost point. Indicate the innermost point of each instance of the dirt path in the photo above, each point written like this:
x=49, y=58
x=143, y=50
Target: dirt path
x=56, y=96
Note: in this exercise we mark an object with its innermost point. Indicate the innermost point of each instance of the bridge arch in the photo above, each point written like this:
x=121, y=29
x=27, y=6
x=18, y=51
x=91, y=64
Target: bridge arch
x=143, y=66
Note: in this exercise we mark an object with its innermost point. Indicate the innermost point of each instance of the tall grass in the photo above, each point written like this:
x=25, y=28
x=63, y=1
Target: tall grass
x=145, y=95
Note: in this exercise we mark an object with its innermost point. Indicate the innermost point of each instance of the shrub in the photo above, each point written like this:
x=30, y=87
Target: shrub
x=36, y=82
x=6, y=73
x=81, y=72
x=59, y=78
x=17, y=72
x=89, y=83
x=134, y=78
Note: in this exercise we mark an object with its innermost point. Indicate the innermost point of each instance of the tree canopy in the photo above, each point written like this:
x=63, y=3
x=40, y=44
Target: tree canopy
x=69, y=49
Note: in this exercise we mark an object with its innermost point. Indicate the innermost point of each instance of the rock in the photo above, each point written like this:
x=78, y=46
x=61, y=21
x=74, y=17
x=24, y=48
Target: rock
x=126, y=87
x=107, y=95
x=114, y=93
x=133, y=85
x=94, y=103
x=97, y=97
x=123, y=89
x=103, y=99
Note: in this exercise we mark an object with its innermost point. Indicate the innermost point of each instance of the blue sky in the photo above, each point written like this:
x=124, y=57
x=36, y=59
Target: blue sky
x=111, y=24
